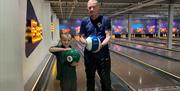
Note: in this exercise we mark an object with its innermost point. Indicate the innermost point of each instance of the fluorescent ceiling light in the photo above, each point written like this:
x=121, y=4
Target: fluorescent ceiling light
x=154, y=16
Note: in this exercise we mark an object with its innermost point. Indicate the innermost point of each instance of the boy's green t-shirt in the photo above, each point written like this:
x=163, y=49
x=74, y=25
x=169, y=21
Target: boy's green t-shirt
x=64, y=69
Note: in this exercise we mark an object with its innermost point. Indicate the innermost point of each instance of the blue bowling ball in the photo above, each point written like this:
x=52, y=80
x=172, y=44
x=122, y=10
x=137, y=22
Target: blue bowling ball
x=93, y=43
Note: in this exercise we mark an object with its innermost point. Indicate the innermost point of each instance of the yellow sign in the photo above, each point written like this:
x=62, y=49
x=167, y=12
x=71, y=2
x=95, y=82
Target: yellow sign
x=34, y=32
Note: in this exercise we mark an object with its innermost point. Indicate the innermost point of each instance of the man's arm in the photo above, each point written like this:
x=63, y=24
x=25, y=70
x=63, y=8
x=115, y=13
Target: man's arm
x=108, y=37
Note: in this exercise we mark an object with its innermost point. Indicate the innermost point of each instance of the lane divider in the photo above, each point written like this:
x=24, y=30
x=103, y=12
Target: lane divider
x=41, y=73
x=176, y=50
x=171, y=58
x=177, y=78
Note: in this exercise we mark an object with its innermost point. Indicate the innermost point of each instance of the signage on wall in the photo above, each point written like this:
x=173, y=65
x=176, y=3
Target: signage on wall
x=33, y=30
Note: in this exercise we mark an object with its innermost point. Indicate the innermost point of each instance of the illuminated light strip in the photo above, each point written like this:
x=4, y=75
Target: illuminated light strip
x=40, y=74
x=156, y=68
x=34, y=40
x=54, y=69
x=28, y=34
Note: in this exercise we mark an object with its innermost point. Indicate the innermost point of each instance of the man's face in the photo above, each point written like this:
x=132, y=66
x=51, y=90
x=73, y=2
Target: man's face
x=93, y=9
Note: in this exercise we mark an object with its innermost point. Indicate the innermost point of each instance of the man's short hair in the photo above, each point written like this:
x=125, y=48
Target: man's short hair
x=92, y=1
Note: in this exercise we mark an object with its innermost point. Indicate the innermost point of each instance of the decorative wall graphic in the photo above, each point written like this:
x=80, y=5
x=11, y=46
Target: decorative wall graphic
x=72, y=26
x=119, y=26
x=52, y=27
x=33, y=30
x=143, y=26
x=151, y=26
x=52, y=24
x=164, y=26
x=138, y=26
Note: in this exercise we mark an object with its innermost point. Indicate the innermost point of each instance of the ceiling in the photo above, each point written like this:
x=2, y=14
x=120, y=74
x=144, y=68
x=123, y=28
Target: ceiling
x=73, y=9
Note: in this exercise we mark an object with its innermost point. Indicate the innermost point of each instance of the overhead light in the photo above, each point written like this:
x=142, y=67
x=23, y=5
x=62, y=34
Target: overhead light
x=154, y=16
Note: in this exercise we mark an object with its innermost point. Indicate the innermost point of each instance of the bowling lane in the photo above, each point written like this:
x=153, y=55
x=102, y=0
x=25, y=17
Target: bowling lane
x=151, y=42
x=157, y=61
x=157, y=41
x=134, y=79
x=136, y=76
x=174, y=39
x=163, y=52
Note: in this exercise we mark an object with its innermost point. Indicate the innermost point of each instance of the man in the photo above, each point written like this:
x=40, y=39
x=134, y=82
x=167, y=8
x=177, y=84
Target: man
x=100, y=26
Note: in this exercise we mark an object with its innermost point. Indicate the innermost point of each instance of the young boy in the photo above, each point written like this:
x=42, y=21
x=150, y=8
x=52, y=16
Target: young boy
x=66, y=72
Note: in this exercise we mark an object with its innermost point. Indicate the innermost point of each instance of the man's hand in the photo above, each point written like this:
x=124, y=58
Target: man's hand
x=106, y=40
x=101, y=46
x=83, y=39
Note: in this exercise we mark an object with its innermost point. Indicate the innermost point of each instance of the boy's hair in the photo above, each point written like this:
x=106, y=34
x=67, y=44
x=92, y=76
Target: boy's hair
x=65, y=35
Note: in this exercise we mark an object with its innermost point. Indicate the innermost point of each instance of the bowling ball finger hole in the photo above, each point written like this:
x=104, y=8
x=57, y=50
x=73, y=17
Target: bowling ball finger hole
x=69, y=58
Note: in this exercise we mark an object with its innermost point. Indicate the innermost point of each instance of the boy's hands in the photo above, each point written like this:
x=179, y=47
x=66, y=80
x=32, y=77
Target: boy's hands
x=66, y=49
x=75, y=64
